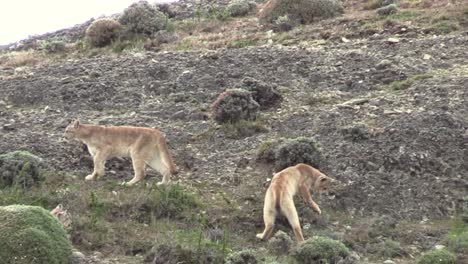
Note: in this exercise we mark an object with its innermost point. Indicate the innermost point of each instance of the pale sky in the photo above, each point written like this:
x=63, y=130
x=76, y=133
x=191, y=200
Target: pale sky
x=22, y=18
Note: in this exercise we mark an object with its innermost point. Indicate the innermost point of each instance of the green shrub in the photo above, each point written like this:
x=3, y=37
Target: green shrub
x=284, y=153
x=234, y=105
x=31, y=234
x=437, y=256
x=20, y=168
x=320, y=250
x=103, y=32
x=304, y=11
x=239, y=8
x=458, y=242
x=143, y=18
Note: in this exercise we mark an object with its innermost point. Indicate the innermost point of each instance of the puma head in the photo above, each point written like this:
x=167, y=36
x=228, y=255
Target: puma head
x=72, y=129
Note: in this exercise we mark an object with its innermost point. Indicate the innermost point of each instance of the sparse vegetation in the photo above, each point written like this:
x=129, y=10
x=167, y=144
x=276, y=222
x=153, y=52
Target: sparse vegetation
x=102, y=32
x=303, y=11
x=405, y=84
x=243, y=128
x=440, y=256
x=22, y=58
x=458, y=242
x=390, y=249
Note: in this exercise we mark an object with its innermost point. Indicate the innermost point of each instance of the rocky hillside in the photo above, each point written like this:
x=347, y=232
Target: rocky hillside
x=389, y=111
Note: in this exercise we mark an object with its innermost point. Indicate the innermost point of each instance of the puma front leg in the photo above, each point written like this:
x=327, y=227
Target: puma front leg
x=304, y=191
x=99, y=160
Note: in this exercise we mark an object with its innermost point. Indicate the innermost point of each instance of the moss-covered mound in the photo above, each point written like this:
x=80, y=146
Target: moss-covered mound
x=19, y=168
x=30, y=234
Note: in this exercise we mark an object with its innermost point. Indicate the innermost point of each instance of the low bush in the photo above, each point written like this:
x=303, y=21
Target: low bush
x=304, y=11
x=234, y=105
x=143, y=18
x=320, y=250
x=284, y=153
x=102, y=32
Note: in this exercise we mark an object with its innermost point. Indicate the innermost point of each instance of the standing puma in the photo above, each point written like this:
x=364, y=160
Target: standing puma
x=279, y=196
x=145, y=146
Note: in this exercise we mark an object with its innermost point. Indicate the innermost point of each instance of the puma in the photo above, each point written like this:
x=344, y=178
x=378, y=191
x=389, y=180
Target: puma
x=62, y=215
x=279, y=196
x=145, y=146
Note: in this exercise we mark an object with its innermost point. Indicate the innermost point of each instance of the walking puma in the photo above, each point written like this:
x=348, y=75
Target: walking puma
x=279, y=196
x=145, y=146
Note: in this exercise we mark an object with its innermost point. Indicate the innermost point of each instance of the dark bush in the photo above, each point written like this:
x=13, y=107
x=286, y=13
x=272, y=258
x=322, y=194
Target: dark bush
x=265, y=94
x=20, y=168
x=234, y=105
x=284, y=153
x=143, y=18
x=304, y=11
x=102, y=32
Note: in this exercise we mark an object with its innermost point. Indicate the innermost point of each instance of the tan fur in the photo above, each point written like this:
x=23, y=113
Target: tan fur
x=62, y=215
x=145, y=146
x=279, y=196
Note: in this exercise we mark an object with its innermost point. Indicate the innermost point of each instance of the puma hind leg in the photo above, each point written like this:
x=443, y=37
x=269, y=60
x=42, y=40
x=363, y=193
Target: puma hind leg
x=289, y=210
x=139, y=167
x=269, y=216
x=158, y=164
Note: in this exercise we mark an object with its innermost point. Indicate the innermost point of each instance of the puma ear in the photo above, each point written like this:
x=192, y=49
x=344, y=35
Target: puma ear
x=59, y=206
x=76, y=123
x=323, y=179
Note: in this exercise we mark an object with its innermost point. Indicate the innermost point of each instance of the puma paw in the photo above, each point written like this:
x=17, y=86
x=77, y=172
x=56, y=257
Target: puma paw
x=260, y=236
x=89, y=177
x=318, y=211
